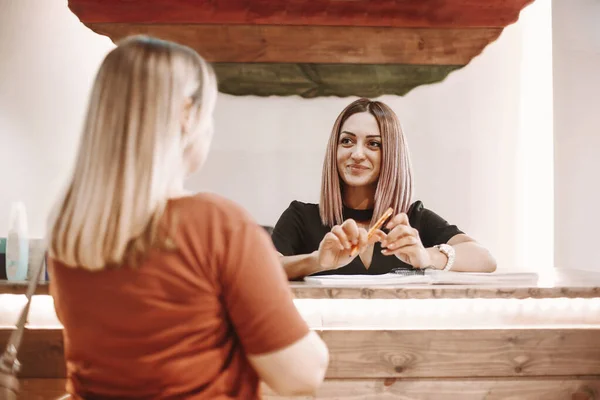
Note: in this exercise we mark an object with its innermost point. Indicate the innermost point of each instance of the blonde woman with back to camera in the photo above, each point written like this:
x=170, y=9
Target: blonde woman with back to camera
x=157, y=289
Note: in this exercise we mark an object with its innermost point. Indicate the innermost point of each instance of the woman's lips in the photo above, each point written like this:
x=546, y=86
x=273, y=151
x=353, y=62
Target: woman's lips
x=357, y=168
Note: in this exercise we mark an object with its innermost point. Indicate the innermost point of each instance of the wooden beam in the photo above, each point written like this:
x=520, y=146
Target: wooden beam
x=21, y=287
x=462, y=353
x=314, y=80
x=41, y=354
x=564, y=289
x=452, y=389
x=42, y=389
x=582, y=388
x=317, y=44
x=357, y=354
x=393, y=13
x=303, y=290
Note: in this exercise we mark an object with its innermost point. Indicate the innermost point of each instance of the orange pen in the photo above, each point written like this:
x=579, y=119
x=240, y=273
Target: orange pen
x=388, y=213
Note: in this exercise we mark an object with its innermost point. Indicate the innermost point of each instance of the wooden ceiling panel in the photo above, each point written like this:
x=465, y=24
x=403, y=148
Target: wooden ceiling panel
x=391, y=13
x=314, y=48
x=317, y=44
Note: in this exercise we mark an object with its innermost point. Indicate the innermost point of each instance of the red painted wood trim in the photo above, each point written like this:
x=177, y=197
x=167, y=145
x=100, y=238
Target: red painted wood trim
x=391, y=13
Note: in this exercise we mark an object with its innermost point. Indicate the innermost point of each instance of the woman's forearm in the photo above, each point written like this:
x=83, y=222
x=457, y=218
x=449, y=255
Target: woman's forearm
x=470, y=257
x=473, y=257
x=299, y=266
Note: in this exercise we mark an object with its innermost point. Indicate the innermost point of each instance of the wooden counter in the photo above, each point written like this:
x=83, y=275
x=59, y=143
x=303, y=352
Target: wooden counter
x=544, y=364
x=567, y=283
x=532, y=352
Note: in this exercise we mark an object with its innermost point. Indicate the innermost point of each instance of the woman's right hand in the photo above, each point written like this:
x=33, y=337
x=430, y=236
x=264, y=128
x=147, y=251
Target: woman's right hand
x=335, y=250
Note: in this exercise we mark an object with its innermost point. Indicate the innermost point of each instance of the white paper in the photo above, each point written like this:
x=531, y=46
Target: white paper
x=431, y=277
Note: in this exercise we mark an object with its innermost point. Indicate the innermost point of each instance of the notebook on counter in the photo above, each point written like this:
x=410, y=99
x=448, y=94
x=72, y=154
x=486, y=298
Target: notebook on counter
x=428, y=277
x=482, y=278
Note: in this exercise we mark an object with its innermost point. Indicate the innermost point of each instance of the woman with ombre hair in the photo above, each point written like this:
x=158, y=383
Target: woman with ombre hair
x=367, y=170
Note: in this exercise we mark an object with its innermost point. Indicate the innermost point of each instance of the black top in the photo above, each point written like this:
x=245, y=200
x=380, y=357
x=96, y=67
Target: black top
x=300, y=231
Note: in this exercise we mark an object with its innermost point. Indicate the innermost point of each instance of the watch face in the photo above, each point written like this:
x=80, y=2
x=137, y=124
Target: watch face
x=448, y=251
x=444, y=248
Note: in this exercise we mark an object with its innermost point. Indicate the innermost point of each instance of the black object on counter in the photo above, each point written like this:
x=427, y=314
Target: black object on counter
x=3, y=259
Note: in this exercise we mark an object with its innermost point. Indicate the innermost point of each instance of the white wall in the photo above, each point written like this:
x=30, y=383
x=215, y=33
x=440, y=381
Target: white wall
x=47, y=64
x=576, y=31
x=464, y=132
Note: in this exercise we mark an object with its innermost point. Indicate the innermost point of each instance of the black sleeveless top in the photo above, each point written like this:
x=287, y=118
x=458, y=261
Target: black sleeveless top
x=300, y=231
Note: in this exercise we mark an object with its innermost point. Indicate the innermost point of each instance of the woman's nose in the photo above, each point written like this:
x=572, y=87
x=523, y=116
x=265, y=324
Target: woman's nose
x=358, y=153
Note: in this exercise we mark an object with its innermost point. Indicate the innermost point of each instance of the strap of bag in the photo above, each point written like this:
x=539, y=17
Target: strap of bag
x=8, y=362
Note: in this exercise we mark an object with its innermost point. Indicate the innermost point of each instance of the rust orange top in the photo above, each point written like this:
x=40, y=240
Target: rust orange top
x=180, y=324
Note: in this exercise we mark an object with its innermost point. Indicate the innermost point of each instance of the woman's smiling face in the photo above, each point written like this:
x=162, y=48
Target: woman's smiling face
x=359, y=150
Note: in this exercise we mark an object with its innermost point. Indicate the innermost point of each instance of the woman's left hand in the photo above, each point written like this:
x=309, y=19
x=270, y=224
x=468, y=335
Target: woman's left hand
x=404, y=242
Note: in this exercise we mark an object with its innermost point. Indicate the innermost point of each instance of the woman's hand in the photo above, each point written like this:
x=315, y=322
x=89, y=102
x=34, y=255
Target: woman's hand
x=404, y=242
x=335, y=250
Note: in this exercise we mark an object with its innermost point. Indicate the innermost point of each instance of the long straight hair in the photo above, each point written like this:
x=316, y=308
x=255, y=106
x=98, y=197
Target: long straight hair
x=395, y=184
x=130, y=156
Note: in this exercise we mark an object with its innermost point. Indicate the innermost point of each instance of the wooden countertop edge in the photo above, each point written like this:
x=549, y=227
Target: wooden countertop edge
x=20, y=287
x=303, y=291
x=306, y=291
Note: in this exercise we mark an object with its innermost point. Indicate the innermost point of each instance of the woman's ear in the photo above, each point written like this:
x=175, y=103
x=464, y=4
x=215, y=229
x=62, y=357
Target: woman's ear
x=185, y=114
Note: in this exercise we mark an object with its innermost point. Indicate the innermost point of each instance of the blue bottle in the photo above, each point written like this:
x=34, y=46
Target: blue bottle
x=17, y=244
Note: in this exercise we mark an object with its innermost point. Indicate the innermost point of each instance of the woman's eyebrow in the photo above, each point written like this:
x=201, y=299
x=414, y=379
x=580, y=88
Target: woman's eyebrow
x=369, y=136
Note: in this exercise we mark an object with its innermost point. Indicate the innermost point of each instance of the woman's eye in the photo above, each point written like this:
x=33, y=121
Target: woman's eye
x=375, y=144
x=346, y=141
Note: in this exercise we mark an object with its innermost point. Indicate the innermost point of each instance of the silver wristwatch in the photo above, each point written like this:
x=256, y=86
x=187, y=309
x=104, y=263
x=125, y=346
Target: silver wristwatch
x=449, y=252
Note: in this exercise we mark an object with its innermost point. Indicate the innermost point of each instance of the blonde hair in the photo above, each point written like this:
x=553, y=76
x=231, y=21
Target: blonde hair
x=130, y=156
x=395, y=184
